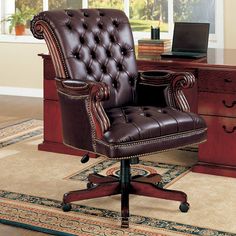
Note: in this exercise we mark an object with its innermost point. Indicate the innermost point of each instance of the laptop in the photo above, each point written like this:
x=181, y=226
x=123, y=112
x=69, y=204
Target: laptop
x=190, y=40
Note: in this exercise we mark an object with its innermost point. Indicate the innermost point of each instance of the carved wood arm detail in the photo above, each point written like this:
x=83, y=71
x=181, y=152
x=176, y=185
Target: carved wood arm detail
x=174, y=91
x=96, y=92
x=41, y=29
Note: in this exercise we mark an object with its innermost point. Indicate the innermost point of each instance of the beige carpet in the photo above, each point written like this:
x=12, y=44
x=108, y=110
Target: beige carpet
x=42, y=178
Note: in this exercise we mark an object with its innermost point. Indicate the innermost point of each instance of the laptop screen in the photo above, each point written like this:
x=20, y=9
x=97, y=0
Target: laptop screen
x=190, y=37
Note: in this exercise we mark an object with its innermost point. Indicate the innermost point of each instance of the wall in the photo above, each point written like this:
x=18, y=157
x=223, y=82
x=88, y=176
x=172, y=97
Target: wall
x=229, y=21
x=20, y=66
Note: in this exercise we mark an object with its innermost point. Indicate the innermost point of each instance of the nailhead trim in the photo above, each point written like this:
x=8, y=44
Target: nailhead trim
x=151, y=153
x=140, y=155
x=74, y=96
x=153, y=140
x=88, y=109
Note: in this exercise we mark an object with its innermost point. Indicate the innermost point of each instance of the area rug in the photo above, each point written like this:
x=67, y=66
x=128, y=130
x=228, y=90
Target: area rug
x=33, y=182
x=19, y=131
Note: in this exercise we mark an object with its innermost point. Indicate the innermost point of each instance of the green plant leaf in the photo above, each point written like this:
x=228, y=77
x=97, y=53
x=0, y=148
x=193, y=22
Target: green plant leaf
x=20, y=17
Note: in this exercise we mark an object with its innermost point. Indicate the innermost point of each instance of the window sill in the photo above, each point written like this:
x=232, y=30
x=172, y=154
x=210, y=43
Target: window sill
x=19, y=39
x=137, y=35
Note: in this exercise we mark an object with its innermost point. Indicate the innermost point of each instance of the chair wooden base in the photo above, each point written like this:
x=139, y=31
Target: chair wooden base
x=101, y=186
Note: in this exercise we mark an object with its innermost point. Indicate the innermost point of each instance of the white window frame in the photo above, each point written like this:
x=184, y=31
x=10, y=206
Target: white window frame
x=216, y=40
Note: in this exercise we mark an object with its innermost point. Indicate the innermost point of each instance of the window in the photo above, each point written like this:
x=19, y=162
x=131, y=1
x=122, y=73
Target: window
x=118, y=4
x=142, y=13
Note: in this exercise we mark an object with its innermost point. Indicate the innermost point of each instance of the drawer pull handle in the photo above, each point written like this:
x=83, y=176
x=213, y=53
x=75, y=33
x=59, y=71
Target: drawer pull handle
x=228, y=80
x=229, y=106
x=229, y=131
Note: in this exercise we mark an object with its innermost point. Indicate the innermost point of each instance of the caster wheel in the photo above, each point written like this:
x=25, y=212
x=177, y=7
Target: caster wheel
x=90, y=185
x=66, y=207
x=85, y=158
x=160, y=185
x=184, y=207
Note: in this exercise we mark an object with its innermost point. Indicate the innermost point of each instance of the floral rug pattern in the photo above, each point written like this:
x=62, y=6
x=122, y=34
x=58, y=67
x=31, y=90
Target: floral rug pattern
x=45, y=215
x=65, y=223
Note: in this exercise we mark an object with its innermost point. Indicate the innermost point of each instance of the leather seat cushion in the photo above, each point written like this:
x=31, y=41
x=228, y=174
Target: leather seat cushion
x=136, y=123
x=137, y=131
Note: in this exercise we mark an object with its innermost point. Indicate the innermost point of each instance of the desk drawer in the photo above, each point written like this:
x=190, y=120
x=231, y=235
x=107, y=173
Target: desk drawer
x=220, y=104
x=217, y=80
x=220, y=146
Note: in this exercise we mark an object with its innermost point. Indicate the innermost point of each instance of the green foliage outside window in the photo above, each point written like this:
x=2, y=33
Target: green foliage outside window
x=117, y=4
x=52, y=4
x=143, y=13
x=20, y=17
x=36, y=5
x=195, y=11
x=64, y=4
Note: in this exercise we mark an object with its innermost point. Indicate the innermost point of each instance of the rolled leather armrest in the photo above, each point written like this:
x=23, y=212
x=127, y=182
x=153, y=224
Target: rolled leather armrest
x=172, y=83
x=75, y=84
x=155, y=77
x=97, y=90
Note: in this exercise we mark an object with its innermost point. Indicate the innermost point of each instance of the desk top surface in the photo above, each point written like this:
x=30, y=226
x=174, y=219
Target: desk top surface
x=215, y=57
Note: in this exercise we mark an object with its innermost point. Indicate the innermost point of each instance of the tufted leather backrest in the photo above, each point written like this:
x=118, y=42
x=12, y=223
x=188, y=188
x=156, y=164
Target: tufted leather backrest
x=96, y=45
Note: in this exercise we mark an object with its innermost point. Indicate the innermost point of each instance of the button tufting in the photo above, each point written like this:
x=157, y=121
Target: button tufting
x=104, y=69
x=81, y=39
x=131, y=81
x=114, y=84
x=100, y=25
x=93, y=54
x=112, y=38
x=115, y=23
x=100, y=50
x=119, y=66
x=85, y=26
x=86, y=14
x=96, y=39
x=89, y=70
x=68, y=25
x=108, y=53
x=69, y=13
x=124, y=51
x=77, y=56
x=164, y=111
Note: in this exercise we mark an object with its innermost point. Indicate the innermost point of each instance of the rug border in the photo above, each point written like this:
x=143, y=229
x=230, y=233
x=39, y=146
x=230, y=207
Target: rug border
x=35, y=228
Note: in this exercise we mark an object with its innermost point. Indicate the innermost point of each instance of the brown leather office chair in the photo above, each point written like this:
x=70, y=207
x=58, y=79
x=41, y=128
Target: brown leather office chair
x=105, y=106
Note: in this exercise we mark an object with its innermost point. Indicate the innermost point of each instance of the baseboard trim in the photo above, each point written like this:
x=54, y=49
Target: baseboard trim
x=17, y=91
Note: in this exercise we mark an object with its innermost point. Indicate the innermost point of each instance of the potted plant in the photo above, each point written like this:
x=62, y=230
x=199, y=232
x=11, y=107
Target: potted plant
x=19, y=19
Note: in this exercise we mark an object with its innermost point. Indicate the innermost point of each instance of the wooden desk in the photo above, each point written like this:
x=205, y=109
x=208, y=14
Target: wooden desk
x=213, y=97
